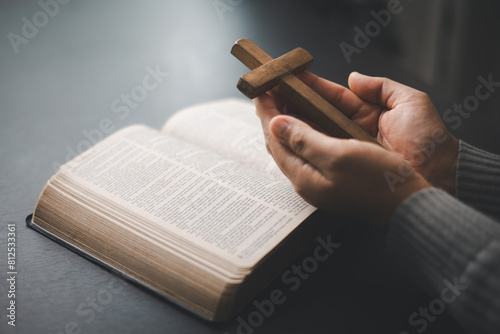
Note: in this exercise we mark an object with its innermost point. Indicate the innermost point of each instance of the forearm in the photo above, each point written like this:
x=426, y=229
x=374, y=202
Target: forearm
x=437, y=239
x=478, y=179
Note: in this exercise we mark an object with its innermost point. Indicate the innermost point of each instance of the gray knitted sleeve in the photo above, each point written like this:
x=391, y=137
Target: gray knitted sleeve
x=451, y=249
x=478, y=179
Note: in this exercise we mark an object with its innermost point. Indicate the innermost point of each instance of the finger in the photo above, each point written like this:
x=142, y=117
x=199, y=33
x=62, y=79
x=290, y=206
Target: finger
x=299, y=171
x=337, y=95
x=281, y=104
x=266, y=109
x=363, y=113
x=381, y=91
x=303, y=175
x=310, y=145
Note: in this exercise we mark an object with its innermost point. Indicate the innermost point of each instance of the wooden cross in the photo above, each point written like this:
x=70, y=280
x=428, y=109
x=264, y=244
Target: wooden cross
x=279, y=74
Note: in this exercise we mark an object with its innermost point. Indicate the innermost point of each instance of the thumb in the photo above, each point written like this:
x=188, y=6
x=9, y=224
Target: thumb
x=310, y=145
x=381, y=91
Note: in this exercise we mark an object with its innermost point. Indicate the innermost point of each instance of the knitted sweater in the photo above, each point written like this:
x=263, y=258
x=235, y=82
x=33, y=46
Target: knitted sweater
x=451, y=245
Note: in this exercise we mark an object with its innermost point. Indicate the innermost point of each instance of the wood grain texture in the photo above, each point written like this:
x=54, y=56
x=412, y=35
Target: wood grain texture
x=306, y=102
x=268, y=75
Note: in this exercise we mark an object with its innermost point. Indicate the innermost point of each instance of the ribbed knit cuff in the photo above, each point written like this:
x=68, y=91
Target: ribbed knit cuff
x=437, y=239
x=478, y=179
x=433, y=236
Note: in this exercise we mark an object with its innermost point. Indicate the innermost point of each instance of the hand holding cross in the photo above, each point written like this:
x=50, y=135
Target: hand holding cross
x=268, y=73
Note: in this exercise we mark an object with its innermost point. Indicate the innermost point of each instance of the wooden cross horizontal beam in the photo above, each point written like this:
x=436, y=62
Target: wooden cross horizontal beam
x=279, y=74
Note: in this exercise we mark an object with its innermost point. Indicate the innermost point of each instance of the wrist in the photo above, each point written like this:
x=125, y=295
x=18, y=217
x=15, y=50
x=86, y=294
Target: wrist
x=444, y=173
x=413, y=185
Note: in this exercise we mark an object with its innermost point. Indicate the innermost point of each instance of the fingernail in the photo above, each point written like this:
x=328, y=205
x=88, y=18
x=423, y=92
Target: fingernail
x=353, y=74
x=280, y=126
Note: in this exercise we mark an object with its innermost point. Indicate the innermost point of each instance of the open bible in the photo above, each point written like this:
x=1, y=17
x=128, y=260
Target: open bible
x=198, y=212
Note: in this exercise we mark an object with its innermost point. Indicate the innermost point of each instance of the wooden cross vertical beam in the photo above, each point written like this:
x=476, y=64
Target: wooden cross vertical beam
x=280, y=72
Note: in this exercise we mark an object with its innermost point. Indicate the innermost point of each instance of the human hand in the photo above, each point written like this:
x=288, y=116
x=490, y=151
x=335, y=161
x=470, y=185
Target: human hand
x=402, y=119
x=345, y=176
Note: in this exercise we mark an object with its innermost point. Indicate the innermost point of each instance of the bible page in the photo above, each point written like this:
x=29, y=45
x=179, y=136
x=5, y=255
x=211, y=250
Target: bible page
x=216, y=204
x=227, y=127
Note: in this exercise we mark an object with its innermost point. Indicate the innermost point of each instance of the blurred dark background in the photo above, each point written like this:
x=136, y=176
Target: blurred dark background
x=59, y=79
x=443, y=44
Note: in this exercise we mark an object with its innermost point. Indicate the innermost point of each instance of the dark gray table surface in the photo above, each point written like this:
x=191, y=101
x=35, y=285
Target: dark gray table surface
x=62, y=82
